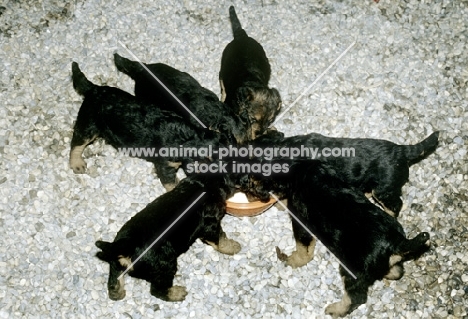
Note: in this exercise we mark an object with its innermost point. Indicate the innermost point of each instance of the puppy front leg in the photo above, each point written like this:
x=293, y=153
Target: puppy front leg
x=301, y=256
x=225, y=245
x=161, y=284
x=305, y=246
x=220, y=242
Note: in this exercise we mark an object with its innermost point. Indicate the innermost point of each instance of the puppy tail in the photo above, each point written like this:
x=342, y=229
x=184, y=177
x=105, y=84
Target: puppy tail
x=417, y=152
x=237, y=30
x=129, y=67
x=413, y=248
x=80, y=83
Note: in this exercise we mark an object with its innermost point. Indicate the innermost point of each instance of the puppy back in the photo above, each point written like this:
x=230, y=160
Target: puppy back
x=237, y=30
x=80, y=83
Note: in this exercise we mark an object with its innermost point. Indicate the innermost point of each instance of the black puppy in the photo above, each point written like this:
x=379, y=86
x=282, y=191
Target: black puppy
x=244, y=76
x=158, y=265
x=203, y=103
x=369, y=242
x=124, y=121
x=379, y=168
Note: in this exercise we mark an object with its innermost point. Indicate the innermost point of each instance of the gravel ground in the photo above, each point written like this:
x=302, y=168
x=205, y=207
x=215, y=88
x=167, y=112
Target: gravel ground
x=406, y=77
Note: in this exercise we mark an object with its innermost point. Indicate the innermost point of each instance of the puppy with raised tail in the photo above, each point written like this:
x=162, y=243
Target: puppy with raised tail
x=379, y=168
x=125, y=121
x=235, y=128
x=244, y=76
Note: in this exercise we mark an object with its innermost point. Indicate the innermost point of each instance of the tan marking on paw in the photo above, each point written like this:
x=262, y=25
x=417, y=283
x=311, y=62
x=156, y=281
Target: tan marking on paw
x=176, y=293
x=395, y=273
x=339, y=309
x=223, y=90
x=76, y=161
x=394, y=259
x=229, y=247
x=119, y=292
x=225, y=245
x=302, y=255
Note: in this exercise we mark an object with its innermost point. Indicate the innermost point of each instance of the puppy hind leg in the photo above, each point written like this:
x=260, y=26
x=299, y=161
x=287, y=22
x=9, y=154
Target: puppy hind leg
x=395, y=272
x=173, y=293
x=305, y=246
x=162, y=283
x=115, y=286
x=355, y=294
x=339, y=309
x=76, y=161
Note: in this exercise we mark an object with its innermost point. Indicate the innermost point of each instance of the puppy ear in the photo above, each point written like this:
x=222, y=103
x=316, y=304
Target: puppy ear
x=245, y=94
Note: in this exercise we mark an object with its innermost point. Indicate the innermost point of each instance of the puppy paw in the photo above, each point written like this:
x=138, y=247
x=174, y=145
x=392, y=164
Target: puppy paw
x=176, y=293
x=335, y=310
x=228, y=246
x=78, y=165
x=298, y=259
x=116, y=294
x=295, y=260
x=302, y=255
x=339, y=309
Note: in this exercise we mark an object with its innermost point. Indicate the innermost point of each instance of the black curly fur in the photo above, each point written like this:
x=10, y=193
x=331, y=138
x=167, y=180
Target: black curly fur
x=244, y=76
x=378, y=167
x=159, y=265
x=123, y=120
x=203, y=103
x=358, y=233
